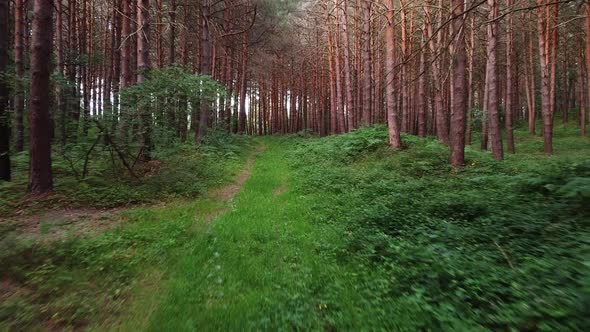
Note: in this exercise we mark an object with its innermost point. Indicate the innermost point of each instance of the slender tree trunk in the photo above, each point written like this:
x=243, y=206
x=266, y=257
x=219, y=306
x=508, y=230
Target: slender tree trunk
x=40, y=177
x=470, y=96
x=333, y=94
x=126, y=72
x=544, y=58
x=143, y=65
x=587, y=100
x=459, y=91
x=172, y=46
x=392, y=116
x=442, y=128
x=347, y=68
x=4, y=92
x=422, y=104
x=159, y=37
x=509, y=83
x=206, y=53
x=492, y=79
x=19, y=48
x=582, y=95
x=366, y=62
x=532, y=88
x=243, y=85
x=339, y=95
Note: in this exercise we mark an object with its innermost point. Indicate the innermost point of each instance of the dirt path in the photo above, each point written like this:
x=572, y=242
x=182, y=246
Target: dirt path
x=228, y=192
x=56, y=224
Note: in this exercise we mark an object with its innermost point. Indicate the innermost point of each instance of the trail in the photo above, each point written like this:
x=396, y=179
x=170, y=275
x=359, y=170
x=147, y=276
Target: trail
x=254, y=257
x=252, y=252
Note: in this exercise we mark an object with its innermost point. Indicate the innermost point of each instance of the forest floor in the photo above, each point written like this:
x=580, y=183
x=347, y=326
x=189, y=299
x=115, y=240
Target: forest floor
x=338, y=233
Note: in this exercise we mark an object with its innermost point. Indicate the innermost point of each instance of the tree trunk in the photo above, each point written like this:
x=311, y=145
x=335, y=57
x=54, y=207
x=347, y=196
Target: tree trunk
x=206, y=53
x=422, y=105
x=347, y=68
x=366, y=62
x=492, y=87
x=544, y=58
x=126, y=72
x=582, y=95
x=587, y=100
x=470, y=96
x=392, y=116
x=143, y=65
x=40, y=177
x=172, y=48
x=243, y=85
x=458, y=108
x=509, y=84
x=333, y=94
x=19, y=48
x=4, y=92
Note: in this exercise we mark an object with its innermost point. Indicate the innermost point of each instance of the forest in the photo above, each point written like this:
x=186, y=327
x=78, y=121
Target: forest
x=304, y=165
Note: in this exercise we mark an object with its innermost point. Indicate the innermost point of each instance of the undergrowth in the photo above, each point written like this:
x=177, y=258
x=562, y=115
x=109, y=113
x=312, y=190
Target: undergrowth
x=80, y=279
x=177, y=170
x=493, y=246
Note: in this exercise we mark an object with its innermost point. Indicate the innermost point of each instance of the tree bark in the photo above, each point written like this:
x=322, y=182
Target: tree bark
x=458, y=108
x=243, y=85
x=4, y=92
x=350, y=112
x=492, y=79
x=206, y=53
x=509, y=83
x=545, y=58
x=143, y=65
x=40, y=176
x=19, y=48
x=392, y=116
x=422, y=105
x=587, y=100
x=366, y=62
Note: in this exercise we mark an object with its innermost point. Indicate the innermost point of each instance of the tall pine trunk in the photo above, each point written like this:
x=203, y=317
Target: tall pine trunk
x=392, y=116
x=509, y=99
x=143, y=65
x=459, y=89
x=19, y=58
x=4, y=92
x=494, y=130
x=545, y=59
x=40, y=177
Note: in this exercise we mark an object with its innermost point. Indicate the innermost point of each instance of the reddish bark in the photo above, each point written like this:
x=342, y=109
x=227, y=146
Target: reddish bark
x=366, y=82
x=495, y=132
x=459, y=89
x=509, y=104
x=546, y=76
x=392, y=116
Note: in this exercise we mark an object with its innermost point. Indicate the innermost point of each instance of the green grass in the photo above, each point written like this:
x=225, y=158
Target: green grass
x=339, y=233
x=255, y=263
x=83, y=279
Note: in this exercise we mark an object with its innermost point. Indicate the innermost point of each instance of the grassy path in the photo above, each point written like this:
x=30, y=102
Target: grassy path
x=246, y=268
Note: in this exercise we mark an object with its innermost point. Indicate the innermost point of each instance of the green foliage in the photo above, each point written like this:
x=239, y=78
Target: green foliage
x=178, y=170
x=87, y=273
x=172, y=84
x=498, y=245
